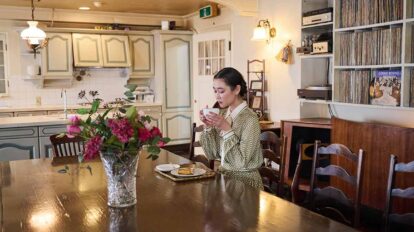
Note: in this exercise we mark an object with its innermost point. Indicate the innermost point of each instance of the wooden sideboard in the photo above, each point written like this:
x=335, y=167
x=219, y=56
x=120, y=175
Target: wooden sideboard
x=299, y=131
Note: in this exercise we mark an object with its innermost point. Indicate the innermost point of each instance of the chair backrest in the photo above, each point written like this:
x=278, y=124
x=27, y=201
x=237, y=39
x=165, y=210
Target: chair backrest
x=272, y=149
x=398, y=220
x=193, y=144
x=330, y=200
x=64, y=146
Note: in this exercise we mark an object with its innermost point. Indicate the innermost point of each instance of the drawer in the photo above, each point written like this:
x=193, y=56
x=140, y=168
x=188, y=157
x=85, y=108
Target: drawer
x=18, y=132
x=29, y=113
x=51, y=130
x=149, y=109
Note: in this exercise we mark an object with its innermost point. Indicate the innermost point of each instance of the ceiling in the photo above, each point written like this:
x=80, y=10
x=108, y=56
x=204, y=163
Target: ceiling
x=163, y=7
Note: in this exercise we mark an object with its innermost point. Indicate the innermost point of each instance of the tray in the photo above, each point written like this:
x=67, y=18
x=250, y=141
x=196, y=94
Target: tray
x=209, y=173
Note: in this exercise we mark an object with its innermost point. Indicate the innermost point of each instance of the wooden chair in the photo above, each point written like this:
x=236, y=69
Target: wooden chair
x=273, y=150
x=64, y=146
x=331, y=201
x=394, y=221
x=193, y=144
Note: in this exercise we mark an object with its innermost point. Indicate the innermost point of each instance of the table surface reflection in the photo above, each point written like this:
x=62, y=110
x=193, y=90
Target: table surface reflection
x=36, y=195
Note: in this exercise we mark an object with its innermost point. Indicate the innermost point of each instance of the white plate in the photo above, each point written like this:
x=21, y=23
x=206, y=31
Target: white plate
x=196, y=172
x=166, y=167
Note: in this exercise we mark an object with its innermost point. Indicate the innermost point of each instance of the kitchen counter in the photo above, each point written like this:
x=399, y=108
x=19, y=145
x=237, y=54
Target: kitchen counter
x=60, y=107
x=43, y=120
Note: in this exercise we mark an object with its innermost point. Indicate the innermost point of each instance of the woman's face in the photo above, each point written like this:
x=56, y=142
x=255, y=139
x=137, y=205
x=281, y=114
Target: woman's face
x=224, y=95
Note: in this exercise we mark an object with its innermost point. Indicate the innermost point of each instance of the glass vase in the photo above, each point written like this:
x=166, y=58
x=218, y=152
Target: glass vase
x=120, y=169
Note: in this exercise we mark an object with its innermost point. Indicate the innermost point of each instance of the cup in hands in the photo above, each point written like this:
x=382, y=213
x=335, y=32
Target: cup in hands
x=206, y=111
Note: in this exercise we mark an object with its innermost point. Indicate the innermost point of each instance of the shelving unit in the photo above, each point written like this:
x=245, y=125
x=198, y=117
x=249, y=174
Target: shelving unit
x=256, y=87
x=3, y=66
x=395, y=27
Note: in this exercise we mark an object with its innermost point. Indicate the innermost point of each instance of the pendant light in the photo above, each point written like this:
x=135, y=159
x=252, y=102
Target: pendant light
x=35, y=37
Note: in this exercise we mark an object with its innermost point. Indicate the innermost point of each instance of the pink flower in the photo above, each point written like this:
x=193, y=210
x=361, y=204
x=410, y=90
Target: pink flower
x=144, y=134
x=72, y=131
x=160, y=143
x=156, y=132
x=74, y=120
x=141, y=113
x=147, y=125
x=121, y=128
x=92, y=147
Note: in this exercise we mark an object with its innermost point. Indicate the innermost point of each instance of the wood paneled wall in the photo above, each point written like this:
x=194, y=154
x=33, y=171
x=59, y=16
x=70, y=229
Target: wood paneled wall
x=378, y=141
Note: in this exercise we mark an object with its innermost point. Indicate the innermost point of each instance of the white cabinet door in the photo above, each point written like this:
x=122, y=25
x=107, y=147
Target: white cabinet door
x=177, y=126
x=115, y=51
x=87, y=50
x=142, y=52
x=3, y=66
x=19, y=149
x=57, y=55
x=45, y=148
x=177, y=72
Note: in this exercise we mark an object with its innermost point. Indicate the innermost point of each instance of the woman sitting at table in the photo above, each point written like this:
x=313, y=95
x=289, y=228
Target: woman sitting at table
x=233, y=135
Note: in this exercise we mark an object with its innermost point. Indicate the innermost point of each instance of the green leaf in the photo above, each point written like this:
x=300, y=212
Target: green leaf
x=82, y=111
x=131, y=87
x=106, y=113
x=128, y=94
x=131, y=113
x=95, y=106
x=88, y=120
x=166, y=140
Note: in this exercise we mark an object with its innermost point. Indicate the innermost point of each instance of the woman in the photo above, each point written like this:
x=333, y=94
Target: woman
x=233, y=135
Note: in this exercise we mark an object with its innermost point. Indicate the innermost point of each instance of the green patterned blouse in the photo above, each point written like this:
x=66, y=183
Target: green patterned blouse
x=239, y=149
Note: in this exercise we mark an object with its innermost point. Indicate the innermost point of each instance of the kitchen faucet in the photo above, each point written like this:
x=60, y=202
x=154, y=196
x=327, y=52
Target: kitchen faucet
x=63, y=95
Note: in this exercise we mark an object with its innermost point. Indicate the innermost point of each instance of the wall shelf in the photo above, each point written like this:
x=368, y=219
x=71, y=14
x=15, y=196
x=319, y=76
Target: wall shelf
x=318, y=25
x=50, y=82
x=379, y=66
x=369, y=26
x=315, y=56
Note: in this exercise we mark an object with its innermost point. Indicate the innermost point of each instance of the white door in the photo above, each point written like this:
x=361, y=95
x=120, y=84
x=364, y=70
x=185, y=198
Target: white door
x=211, y=54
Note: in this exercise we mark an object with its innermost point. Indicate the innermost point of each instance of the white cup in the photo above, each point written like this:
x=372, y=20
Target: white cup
x=164, y=25
x=208, y=110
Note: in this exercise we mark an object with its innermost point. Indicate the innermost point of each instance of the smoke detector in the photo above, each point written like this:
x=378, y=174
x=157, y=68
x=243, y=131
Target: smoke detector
x=97, y=3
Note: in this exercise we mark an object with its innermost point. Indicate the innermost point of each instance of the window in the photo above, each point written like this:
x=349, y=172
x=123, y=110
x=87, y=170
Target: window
x=211, y=57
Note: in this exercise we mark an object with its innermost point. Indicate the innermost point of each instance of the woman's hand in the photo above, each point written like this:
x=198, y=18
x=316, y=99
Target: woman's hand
x=218, y=121
x=204, y=119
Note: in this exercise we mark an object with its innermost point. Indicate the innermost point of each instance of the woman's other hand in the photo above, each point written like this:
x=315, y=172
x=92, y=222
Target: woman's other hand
x=218, y=121
x=204, y=119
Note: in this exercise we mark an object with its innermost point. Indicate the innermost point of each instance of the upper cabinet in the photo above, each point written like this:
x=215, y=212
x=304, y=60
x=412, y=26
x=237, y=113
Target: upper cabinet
x=87, y=50
x=3, y=65
x=57, y=55
x=115, y=51
x=142, y=50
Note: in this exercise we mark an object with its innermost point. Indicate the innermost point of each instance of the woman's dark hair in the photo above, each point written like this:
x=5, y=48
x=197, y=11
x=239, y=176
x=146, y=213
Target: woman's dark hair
x=232, y=78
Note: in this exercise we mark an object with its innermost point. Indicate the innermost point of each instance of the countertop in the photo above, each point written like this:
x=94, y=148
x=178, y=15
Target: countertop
x=42, y=120
x=60, y=107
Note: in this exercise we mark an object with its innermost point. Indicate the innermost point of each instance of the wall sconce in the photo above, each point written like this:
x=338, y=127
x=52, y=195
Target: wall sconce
x=264, y=31
x=35, y=37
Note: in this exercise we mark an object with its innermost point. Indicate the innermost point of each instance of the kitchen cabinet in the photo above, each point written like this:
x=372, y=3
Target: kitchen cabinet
x=57, y=55
x=45, y=147
x=92, y=50
x=115, y=51
x=142, y=52
x=3, y=66
x=19, y=143
x=87, y=50
x=177, y=126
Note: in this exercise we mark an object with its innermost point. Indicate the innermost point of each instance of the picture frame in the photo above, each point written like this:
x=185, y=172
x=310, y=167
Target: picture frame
x=257, y=102
x=256, y=85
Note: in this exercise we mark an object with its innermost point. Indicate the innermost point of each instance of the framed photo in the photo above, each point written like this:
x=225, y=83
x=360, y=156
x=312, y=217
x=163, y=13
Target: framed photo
x=256, y=85
x=257, y=102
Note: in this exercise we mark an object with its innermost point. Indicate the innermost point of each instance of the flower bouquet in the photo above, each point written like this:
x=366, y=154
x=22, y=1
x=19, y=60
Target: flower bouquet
x=117, y=134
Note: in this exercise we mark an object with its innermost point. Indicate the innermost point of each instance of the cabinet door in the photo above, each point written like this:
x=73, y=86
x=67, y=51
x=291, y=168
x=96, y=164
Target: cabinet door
x=177, y=71
x=177, y=126
x=29, y=113
x=57, y=55
x=142, y=52
x=87, y=50
x=19, y=149
x=3, y=66
x=45, y=148
x=115, y=51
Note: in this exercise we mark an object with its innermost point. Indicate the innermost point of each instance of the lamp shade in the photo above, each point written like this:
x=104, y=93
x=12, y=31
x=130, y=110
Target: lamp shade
x=33, y=34
x=259, y=34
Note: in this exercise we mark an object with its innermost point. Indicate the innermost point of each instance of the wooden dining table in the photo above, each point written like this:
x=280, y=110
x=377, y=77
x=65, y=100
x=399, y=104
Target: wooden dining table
x=64, y=195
